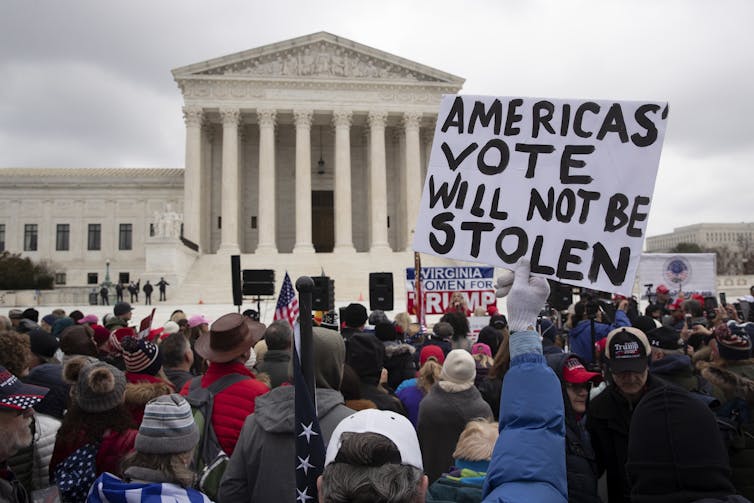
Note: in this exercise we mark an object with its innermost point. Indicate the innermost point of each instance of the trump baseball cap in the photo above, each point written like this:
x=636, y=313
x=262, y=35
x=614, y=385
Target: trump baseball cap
x=574, y=372
x=627, y=349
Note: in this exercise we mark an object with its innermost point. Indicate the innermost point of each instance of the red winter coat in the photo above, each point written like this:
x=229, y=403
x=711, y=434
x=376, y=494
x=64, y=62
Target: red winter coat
x=233, y=404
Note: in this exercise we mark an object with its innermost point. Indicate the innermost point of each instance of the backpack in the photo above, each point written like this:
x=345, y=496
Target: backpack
x=75, y=475
x=210, y=460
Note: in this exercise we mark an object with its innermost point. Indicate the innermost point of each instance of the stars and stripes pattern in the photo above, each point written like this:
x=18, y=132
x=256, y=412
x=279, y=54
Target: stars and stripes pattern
x=310, y=448
x=287, y=305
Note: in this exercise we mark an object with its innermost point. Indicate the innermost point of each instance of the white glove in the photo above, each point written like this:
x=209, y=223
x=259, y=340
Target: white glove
x=526, y=298
x=504, y=283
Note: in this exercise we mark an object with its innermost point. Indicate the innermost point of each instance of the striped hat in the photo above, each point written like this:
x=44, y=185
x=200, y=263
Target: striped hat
x=168, y=426
x=141, y=356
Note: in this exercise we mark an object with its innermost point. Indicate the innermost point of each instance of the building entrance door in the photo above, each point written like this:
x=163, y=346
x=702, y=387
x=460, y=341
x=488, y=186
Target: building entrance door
x=323, y=221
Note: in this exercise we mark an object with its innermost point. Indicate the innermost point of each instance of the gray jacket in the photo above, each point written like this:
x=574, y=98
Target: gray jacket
x=262, y=467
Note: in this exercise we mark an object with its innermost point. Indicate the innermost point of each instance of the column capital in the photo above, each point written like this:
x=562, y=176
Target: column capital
x=377, y=118
x=193, y=115
x=411, y=120
x=267, y=116
x=230, y=116
x=342, y=118
x=303, y=118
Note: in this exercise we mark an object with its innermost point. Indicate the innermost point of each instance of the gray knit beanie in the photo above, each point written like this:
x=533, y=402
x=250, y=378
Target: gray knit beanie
x=100, y=387
x=168, y=426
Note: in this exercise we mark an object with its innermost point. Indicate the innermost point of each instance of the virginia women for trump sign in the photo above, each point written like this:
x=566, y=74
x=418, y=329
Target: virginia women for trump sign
x=565, y=183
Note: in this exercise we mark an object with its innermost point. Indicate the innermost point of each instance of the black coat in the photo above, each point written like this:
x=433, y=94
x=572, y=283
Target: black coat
x=608, y=420
x=581, y=462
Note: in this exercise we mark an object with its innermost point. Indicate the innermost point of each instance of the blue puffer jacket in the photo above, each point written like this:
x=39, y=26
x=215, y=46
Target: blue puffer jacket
x=580, y=336
x=528, y=463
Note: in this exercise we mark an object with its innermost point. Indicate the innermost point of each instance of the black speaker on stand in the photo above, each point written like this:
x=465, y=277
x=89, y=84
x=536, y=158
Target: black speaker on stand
x=258, y=282
x=323, y=295
x=235, y=276
x=381, y=291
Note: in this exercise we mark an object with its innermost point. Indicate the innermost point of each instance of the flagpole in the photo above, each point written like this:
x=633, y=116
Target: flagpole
x=305, y=286
x=418, y=300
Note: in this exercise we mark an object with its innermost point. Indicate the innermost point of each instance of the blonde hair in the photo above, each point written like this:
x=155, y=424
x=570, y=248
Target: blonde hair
x=477, y=440
x=483, y=360
x=403, y=320
x=429, y=374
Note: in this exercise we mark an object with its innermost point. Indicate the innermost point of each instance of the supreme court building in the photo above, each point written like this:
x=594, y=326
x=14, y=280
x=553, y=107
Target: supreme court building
x=307, y=155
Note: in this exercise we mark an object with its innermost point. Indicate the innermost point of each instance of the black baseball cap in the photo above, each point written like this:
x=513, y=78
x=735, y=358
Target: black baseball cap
x=627, y=349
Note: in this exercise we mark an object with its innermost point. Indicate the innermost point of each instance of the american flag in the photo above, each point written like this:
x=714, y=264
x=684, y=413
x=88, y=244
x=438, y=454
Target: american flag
x=287, y=306
x=146, y=325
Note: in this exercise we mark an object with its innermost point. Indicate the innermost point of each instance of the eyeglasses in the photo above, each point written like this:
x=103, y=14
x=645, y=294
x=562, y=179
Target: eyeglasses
x=578, y=387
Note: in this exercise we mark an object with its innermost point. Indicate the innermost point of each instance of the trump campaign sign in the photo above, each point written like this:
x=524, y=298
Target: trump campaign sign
x=439, y=283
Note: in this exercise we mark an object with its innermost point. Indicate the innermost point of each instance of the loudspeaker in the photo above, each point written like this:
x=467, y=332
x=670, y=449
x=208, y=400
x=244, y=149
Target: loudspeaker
x=235, y=276
x=323, y=294
x=381, y=291
x=258, y=282
x=561, y=296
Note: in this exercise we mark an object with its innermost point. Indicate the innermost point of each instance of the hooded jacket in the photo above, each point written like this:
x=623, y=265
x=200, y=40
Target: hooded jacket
x=366, y=355
x=261, y=468
x=399, y=362
x=276, y=364
x=581, y=464
x=528, y=463
x=580, y=336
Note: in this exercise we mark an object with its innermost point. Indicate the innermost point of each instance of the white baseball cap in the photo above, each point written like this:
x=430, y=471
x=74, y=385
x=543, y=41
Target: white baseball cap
x=391, y=425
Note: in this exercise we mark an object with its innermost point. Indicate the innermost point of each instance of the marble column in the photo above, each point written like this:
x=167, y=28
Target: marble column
x=377, y=181
x=266, y=181
x=413, y=173
x=205, y=212
x=192, y=116
x=229, y=184
x=303, y=203
x=427, y=135
x=343, y=211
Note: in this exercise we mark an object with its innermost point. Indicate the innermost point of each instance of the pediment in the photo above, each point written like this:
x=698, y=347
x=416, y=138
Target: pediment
x=318, y=56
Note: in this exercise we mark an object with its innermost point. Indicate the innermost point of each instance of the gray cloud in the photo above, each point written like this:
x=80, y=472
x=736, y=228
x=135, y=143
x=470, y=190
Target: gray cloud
x=87, y=83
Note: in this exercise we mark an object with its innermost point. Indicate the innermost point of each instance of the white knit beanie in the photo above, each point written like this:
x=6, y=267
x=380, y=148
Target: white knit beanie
x=459, y=367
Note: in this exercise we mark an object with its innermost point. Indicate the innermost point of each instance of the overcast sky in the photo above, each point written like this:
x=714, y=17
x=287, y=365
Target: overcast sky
x=88, y=83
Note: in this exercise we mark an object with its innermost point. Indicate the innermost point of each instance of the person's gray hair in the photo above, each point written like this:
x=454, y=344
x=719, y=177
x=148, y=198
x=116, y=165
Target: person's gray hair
x=278, y=335
x=173, y=350
x=367, y=468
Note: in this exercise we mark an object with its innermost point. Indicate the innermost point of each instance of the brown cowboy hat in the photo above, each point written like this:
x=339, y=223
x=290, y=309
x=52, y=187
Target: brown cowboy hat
x=229, y=337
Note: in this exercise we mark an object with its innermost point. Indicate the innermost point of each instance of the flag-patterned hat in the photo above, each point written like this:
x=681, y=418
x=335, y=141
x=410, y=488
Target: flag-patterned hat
x=141, y=356
x=16, y=395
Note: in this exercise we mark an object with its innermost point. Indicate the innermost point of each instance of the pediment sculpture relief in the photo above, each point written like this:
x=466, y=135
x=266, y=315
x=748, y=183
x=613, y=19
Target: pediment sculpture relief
x=321, y=59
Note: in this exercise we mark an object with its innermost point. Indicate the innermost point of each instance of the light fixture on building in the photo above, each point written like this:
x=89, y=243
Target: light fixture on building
x=321, y=162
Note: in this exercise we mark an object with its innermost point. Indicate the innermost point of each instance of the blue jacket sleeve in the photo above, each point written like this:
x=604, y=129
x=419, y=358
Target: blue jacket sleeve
x=528, y=462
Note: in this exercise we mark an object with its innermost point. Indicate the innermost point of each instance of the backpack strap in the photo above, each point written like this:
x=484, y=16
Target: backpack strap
x=224, y=382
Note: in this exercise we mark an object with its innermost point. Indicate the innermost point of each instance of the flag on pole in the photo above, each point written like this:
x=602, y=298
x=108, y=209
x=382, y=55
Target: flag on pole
x=146, y=325
x=310, y=447
x=287, y=305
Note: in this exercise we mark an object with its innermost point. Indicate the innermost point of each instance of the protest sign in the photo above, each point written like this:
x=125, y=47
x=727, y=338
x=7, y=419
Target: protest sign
x=439, y=283
x=565, y=183
x=687, y=272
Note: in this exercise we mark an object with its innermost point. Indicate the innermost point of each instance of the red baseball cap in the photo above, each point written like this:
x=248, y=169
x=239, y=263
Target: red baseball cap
x=662, y=289
x=575, y=372
x=431, y=350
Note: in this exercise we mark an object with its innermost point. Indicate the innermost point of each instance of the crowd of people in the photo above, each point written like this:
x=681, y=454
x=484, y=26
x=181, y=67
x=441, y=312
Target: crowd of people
x=531, y=408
